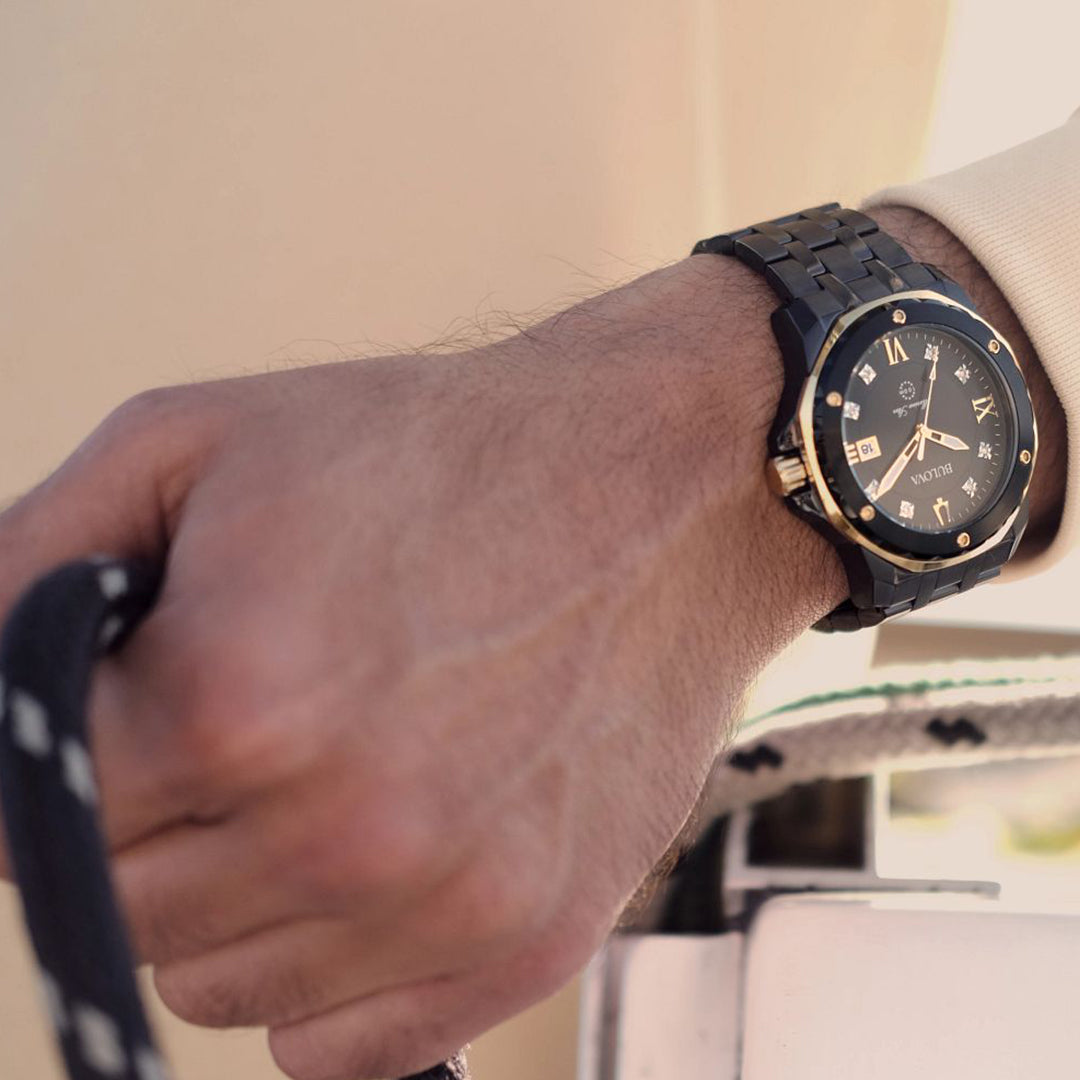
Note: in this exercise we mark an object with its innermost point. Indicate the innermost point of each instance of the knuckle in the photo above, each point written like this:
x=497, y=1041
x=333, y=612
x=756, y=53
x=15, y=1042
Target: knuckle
x=227, y=735
x=202, y=1000
x=403, y=1053
x=153, y=939
x=143, y=413
x=376, y=847
x=216, y=732
x=299, y=1054
x=159, y=935
x=164, y=431
x=366, y=1052
x=554, y=957
x=499, y=902
x=288, y=994
x=283, y=995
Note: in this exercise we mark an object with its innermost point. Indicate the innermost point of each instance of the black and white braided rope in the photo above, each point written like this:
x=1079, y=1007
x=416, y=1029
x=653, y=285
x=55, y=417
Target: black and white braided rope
x=959, y=713
x=48, y=646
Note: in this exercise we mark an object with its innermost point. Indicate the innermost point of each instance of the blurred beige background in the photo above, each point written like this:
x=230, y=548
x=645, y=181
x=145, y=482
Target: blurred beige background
x=190, y=191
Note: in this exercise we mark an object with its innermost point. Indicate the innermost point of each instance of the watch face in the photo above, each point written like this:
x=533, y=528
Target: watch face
x=928, y=427
x=918, y=432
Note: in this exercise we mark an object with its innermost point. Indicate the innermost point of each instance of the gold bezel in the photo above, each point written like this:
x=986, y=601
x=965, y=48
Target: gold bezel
x=805, y=423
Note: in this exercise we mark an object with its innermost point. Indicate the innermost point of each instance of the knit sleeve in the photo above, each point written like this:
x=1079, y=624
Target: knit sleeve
x=1018, y=212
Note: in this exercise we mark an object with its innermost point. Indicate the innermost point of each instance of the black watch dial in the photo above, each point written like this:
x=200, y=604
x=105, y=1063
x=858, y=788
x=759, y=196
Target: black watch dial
x=929, y=428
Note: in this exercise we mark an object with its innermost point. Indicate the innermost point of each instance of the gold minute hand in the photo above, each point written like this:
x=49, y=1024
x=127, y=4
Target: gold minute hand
x=892, y=474
x=926, y=411
x=950, y=442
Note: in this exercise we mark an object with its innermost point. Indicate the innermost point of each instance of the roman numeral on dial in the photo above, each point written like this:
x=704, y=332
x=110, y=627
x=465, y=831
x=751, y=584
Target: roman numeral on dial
x=984, y=406
x=894, y=350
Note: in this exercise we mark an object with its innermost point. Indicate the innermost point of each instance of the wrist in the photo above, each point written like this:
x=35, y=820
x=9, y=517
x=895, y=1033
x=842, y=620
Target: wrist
x=689, y=354
x=789, y=551
x=786, y=574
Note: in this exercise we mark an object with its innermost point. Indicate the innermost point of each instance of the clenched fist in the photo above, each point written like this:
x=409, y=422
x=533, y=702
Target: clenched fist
x=444, y=651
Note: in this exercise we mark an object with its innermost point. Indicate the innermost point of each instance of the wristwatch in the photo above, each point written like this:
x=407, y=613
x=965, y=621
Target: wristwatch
x=905, y=432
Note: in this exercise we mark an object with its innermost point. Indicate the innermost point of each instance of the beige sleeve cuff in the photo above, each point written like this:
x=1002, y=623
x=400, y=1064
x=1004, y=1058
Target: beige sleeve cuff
x=1019, y=214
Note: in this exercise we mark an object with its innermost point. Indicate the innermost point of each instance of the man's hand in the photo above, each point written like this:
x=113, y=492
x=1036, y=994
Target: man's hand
x=445, y=649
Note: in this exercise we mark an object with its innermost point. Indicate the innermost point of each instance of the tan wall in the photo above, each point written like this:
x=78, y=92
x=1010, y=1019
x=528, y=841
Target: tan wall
x=198, y=189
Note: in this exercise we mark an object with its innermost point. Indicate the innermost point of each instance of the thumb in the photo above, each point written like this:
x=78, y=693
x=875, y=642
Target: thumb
x=119, y=493
x=116, y=494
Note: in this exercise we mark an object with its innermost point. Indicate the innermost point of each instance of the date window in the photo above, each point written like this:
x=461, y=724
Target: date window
x=868, y=448
x=862, y=450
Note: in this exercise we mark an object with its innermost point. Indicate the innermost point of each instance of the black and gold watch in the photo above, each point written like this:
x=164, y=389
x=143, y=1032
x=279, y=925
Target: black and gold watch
x=905, y=432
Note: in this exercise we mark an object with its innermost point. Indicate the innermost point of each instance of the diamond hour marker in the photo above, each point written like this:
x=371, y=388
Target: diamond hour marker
x=986, y=451
x=963, y=373
x=907, y=510
x=970, y=487
x=867, y=374
x=852, y=410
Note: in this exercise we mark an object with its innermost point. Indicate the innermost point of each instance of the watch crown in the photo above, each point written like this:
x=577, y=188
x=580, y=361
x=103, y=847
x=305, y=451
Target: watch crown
x=785, y=474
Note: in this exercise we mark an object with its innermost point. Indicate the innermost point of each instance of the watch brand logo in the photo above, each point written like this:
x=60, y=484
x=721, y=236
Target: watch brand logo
x=936, y=473
x=902, y=411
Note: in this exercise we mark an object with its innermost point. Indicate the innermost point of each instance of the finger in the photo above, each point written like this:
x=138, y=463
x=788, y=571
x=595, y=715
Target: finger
x=294, y=970
x=413, y=1027
x=396, y=1033
x=195, y=888
x=499, y=892
x=135, y=759
x=304, y=967
x=173, y=751
x=135, y=713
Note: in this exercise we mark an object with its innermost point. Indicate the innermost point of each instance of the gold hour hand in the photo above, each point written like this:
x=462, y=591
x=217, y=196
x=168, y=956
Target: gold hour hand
x=950, y=442
x=892, y=474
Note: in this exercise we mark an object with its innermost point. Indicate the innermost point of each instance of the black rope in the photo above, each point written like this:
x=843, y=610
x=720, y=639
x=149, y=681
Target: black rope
x=48, y=646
